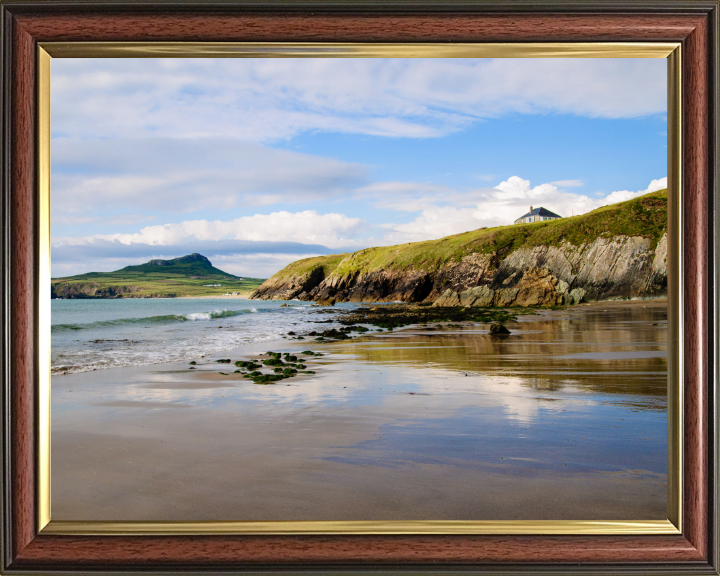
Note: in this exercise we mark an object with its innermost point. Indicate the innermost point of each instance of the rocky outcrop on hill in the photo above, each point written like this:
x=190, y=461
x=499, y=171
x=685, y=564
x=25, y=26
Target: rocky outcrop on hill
x=606, y=268
x=190, y=258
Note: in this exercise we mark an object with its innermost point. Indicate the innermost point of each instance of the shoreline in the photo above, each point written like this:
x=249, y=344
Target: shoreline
x=339, y=312
x=369, y=303
x=391, y=426
x=219, y=296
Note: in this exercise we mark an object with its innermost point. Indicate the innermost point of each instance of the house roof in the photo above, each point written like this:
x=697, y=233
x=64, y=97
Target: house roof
x=540, y=212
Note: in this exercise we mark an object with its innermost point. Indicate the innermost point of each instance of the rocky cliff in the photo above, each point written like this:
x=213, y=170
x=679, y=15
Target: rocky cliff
x=615, y=252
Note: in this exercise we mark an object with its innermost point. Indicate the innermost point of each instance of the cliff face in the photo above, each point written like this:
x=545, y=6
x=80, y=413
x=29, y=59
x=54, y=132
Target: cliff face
x=288, y=287
x=299, y=279
x=558, y=262
x=606, y=269
x=619, y=267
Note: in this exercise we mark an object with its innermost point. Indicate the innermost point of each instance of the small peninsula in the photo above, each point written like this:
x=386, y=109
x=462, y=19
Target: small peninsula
x=188, y=276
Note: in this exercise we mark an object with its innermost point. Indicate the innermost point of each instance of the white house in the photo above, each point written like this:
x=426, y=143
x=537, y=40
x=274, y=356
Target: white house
x=537, y=215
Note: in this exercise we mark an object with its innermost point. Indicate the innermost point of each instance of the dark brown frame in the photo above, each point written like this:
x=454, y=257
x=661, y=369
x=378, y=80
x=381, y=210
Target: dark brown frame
x=694, y=23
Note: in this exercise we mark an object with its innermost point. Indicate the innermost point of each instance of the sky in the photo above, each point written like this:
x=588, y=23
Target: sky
x=258, y=162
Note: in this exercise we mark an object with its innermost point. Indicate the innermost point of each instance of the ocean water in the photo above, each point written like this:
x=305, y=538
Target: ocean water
x=97, y=334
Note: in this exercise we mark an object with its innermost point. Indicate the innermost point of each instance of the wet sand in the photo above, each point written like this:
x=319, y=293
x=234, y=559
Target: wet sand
x=564, y=419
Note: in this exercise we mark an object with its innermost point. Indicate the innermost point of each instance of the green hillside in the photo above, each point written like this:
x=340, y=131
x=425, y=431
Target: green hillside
x=306, y=266
x=192, y=275
x=644, y=216
x=191, y=265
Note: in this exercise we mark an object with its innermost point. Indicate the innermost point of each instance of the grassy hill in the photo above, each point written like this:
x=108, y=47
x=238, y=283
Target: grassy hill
x=185, y=276
x=489, y=256
x=644, y=216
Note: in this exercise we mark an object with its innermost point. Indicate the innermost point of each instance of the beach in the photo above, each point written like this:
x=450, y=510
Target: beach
x=565, y=418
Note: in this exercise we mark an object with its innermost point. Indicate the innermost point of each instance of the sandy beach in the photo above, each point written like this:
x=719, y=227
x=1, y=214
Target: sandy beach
x=564, y=419
x=238, y=296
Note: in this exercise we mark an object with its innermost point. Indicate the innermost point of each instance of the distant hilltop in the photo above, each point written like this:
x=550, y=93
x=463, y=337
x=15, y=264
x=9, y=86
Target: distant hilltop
x=183, y=276
x=194, y=257
x=191, y=265
x=615, y=252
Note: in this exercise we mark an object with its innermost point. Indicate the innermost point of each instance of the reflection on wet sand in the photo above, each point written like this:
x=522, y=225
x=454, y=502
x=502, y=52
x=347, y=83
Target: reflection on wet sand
x=563, y=419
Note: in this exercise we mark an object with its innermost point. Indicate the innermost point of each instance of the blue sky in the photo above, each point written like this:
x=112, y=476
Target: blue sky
x=258, y=162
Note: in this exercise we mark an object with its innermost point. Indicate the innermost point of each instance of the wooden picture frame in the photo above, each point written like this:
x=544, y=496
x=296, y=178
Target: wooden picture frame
x=26, y=25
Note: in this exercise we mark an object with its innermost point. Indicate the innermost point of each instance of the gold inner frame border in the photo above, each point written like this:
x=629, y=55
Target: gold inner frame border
x=668, y=50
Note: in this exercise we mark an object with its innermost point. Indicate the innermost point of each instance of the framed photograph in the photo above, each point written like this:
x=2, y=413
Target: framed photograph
x=402, y=353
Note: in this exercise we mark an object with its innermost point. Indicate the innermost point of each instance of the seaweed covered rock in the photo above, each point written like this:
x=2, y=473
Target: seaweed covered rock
x=498, y=329
x=267, y=379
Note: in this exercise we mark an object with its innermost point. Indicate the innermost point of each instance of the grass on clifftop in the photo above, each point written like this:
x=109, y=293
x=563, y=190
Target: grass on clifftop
x=302, y=268
x=644, y=216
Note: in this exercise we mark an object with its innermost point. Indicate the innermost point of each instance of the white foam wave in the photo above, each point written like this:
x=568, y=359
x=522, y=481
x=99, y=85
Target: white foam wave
x=198, y=316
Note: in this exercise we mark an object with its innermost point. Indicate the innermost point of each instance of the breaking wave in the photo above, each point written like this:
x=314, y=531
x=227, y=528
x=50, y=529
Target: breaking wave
x=164, y=319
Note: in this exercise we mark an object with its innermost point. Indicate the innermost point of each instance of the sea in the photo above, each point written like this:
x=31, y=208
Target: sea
x=97, y=334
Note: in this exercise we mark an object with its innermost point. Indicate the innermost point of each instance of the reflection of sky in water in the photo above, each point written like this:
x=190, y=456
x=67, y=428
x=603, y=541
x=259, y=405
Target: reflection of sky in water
x=527, y=433
x=584, y=392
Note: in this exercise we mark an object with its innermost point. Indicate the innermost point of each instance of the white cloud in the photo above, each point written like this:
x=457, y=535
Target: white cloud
x=257, y=99
x=499, y=206
x=568, y=183
x=622, y=195
x=260, y=265
x=307, y=227
x=437, y=222
x=184, y=175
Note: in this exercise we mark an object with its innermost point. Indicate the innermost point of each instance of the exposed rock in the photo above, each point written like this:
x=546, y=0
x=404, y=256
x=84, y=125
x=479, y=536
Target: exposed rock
x=382, y=286
x=606, y=268
x=576, y=296
x=657, y=281
x=506, y=296
x=478, y=296
x=448, y=298
x=537, y=288
x=194, y=257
